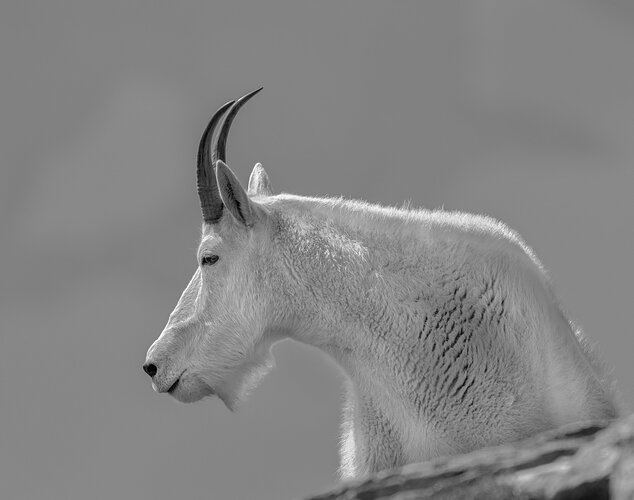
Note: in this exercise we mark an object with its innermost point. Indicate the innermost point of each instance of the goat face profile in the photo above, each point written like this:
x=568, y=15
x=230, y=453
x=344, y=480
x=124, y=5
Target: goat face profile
x=444, y=323
x=217, y=339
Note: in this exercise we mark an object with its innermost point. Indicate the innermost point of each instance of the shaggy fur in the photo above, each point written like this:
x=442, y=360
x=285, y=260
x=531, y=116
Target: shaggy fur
x=444, y=323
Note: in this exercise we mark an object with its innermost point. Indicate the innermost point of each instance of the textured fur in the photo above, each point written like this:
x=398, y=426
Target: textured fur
x=444, y=323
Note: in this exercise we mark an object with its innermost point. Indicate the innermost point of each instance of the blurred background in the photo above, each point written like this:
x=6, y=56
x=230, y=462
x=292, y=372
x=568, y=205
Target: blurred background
x=520, y=110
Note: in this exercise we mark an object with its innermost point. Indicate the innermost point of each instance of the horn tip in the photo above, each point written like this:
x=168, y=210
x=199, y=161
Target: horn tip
x=251, y=94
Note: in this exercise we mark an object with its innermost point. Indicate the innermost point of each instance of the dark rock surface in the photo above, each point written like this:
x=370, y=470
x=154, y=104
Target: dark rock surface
x=582, y=461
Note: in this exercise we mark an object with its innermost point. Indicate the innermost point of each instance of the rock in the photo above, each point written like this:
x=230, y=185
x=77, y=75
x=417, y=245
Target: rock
x=581, y=461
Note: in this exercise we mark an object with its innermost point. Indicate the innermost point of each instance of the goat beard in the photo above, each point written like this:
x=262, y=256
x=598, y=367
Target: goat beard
x=238, y=385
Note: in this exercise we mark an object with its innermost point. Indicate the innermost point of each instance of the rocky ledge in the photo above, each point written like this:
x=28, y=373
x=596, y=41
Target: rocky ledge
x=584, y=461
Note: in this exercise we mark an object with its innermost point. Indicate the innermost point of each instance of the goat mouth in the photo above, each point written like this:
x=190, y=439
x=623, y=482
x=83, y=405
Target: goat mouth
x=173, y=387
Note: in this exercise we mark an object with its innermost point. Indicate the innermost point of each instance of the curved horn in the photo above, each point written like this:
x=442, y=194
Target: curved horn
x=221, y=144
x=210, y=201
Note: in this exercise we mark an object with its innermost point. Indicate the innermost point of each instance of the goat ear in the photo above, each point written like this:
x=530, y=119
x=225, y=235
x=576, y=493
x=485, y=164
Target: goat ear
x=259, y=182
x=233, y=195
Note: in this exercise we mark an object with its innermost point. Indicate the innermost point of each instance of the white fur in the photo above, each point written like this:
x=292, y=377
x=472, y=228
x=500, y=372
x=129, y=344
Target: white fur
x=444, y=323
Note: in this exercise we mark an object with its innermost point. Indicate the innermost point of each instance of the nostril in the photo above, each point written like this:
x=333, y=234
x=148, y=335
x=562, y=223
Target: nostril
x=150, y=369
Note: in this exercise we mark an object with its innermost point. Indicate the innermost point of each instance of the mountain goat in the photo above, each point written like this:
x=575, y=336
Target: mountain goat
x=444, y=323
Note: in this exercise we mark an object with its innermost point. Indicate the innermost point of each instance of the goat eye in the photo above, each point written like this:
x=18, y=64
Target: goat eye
x=208, y=260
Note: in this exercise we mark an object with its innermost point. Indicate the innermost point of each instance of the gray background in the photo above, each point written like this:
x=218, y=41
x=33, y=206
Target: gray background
x=521, y=110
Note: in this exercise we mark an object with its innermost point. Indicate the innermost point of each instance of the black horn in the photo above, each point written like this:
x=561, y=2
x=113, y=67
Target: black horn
x=210, y=201
x=221, y=145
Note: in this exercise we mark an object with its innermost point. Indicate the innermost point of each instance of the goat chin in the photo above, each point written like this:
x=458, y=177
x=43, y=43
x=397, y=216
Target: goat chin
x=190, y=389
x=233, y=391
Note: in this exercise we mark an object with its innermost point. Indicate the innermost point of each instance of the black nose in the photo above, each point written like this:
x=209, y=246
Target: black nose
x=150, y=369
